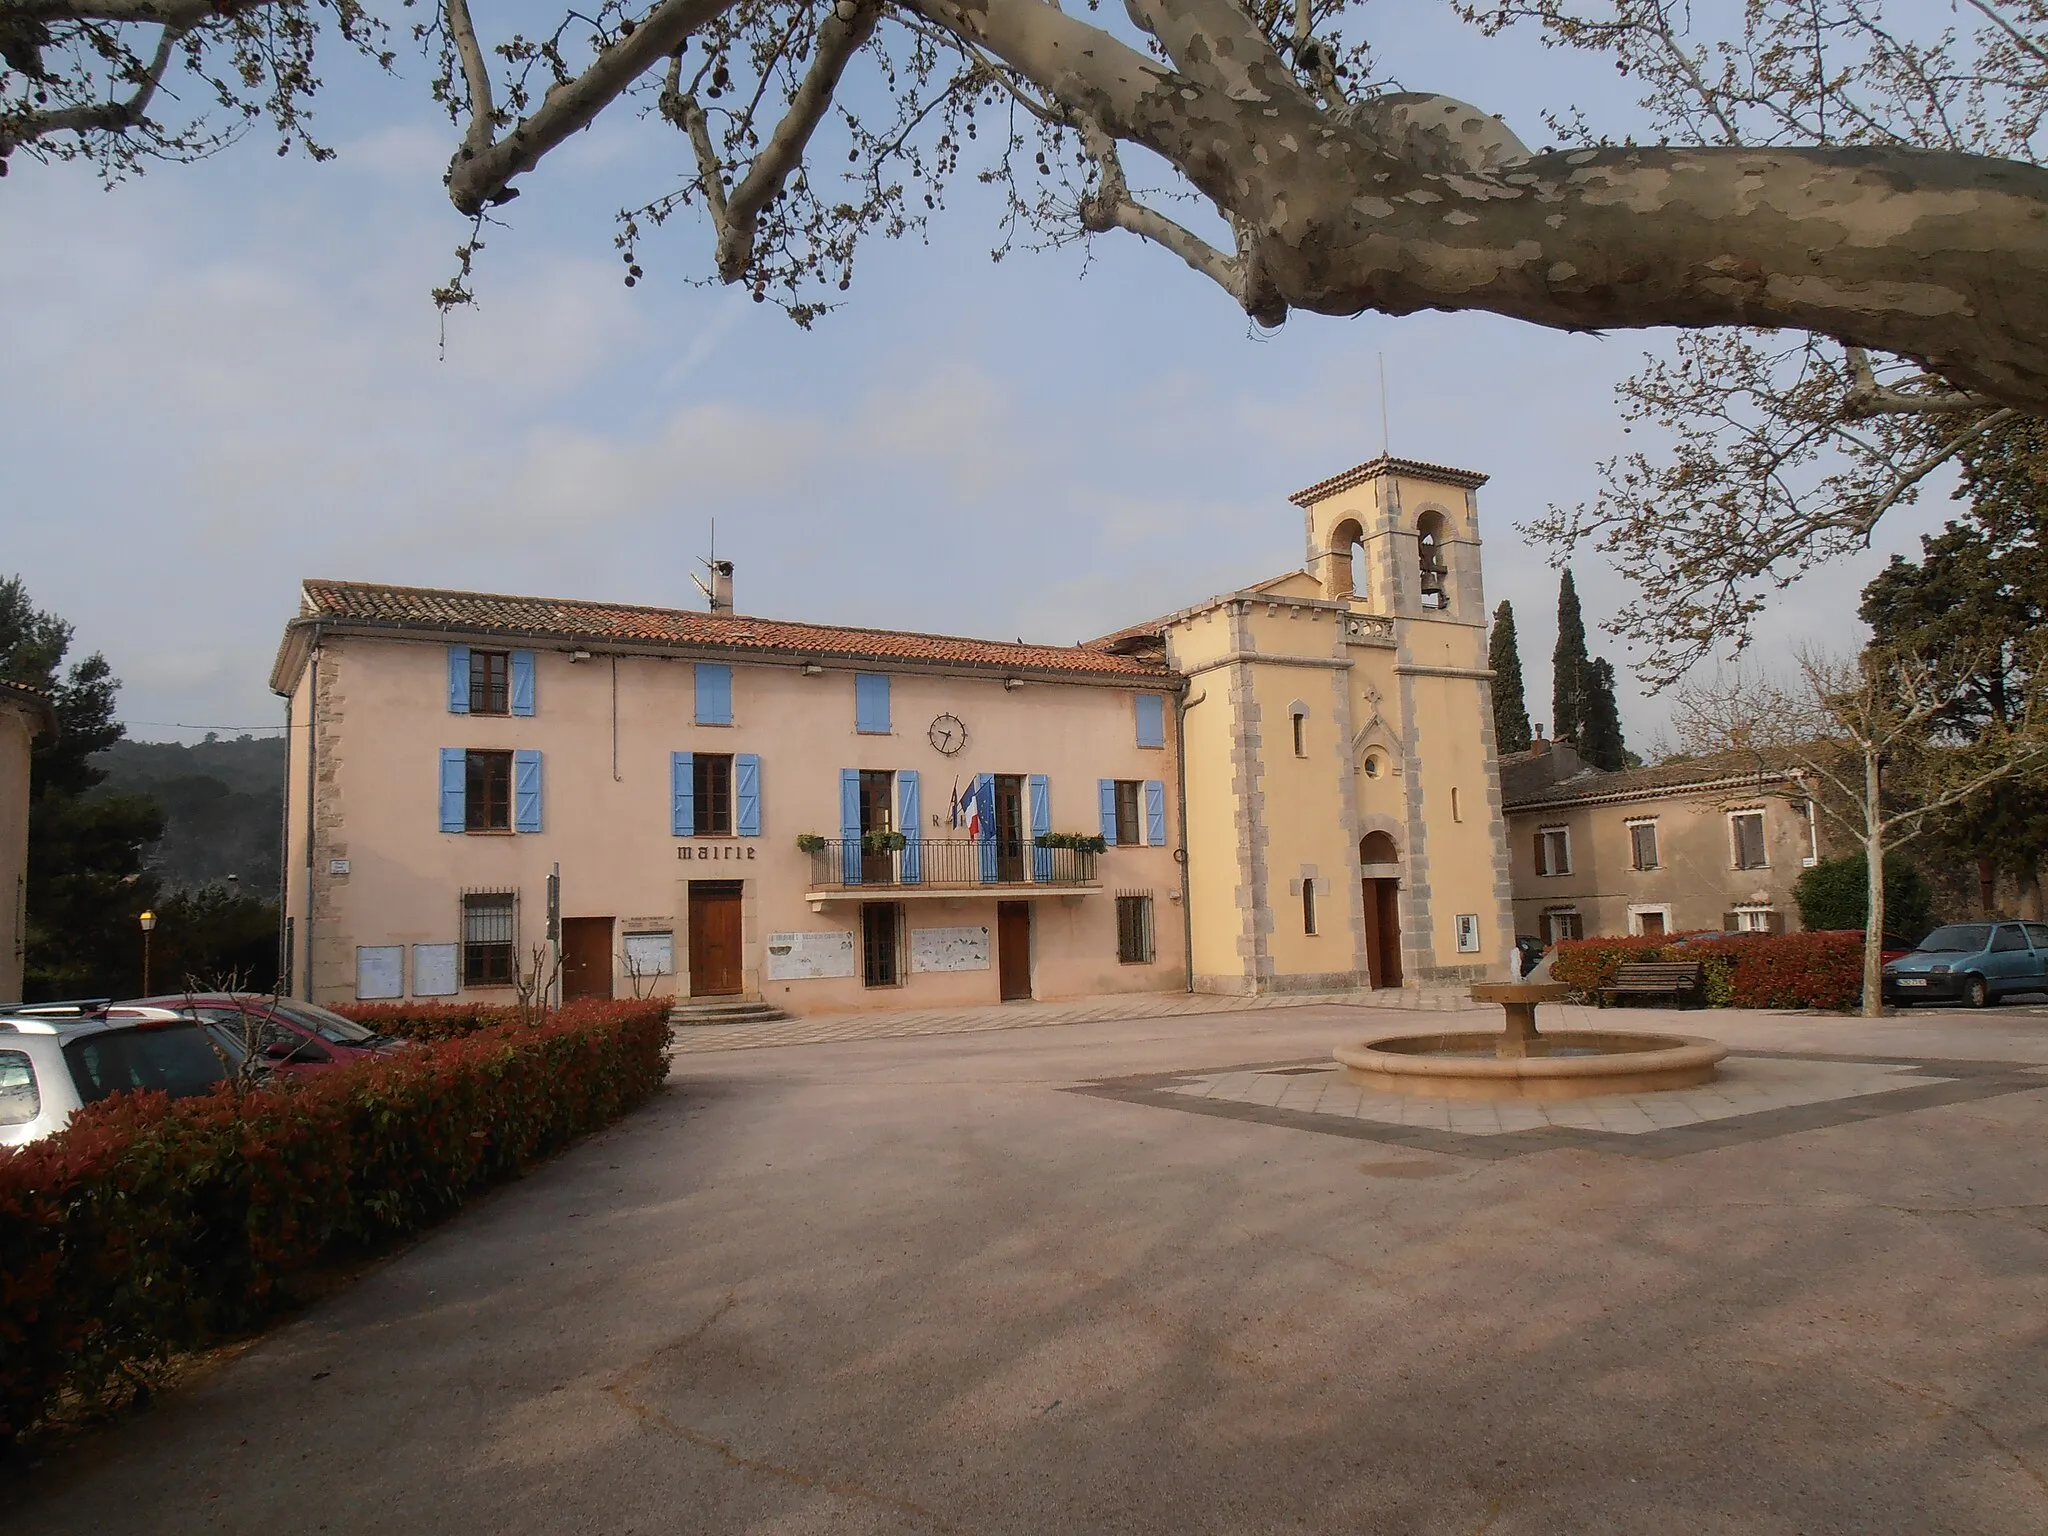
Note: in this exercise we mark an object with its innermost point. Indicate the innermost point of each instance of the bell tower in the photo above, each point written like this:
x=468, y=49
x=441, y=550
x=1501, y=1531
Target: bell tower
x=1397, y=537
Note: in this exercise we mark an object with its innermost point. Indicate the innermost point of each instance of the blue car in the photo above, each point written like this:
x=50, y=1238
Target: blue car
x=1974, y=962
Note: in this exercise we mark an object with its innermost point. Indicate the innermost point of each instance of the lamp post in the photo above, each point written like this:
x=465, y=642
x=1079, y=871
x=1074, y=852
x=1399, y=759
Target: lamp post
x=148, y=921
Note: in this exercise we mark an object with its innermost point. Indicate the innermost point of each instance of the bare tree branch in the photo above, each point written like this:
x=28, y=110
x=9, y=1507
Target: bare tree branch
x=476, y=73
x=844, y=31
x=476, y=180
x=104, y=117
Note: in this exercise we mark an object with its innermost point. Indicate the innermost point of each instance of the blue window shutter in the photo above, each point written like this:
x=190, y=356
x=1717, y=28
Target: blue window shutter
x=985, y=807
x=682, y=793
x=1155, y=812
x=714, y=693
x=522, y=682
x=525, y=791
x=910, y=813
x=1041, y=823
x=1151, y=720
x=454, y=787
x=746, y=794
x=849, y=826
x=458, y=681
x=871, y=703
x=1106, y=789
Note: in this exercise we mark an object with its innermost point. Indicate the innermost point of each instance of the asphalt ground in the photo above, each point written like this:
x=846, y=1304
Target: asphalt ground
x=911, y=1285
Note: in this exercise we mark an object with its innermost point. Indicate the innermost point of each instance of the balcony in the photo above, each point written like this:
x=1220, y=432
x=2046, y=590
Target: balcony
x=844, y=870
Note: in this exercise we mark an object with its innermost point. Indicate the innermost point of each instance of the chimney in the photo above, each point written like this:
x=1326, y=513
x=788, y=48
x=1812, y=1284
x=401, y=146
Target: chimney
x=1539, y=746
x=721, y=586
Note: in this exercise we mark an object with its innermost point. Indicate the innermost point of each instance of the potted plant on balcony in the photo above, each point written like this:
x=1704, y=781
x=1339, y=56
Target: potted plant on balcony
x=809, y=842
x=883, y=842
x=1080, y=842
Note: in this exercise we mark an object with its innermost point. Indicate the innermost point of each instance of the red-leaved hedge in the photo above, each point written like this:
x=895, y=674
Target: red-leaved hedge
x=452, y=1021
x=1748, y=970
x=147, y=1227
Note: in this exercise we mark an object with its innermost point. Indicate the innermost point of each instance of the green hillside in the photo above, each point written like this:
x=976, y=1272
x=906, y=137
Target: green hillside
x=223, y=804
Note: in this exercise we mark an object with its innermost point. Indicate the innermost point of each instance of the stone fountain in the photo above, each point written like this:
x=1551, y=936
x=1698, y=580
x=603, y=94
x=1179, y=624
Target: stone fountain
x=1521, y=1063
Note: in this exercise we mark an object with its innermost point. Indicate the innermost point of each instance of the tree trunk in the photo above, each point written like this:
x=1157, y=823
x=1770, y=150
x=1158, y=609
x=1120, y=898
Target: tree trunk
x=1873, y=858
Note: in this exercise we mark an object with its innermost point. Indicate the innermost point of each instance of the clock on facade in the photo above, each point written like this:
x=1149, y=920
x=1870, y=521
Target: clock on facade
x=947, y=734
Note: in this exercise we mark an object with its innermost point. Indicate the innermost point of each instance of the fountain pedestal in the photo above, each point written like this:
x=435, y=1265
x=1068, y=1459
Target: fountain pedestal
x=1521, y=1062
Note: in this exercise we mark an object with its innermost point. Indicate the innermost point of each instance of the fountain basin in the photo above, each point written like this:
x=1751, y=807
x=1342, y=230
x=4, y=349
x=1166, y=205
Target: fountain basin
x=1563, y=1064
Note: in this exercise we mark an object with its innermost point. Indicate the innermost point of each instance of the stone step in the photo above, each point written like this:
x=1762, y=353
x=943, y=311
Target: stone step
x=709, y=1010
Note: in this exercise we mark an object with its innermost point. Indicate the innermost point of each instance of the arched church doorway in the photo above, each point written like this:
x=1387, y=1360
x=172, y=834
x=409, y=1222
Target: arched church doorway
x=1380, y=861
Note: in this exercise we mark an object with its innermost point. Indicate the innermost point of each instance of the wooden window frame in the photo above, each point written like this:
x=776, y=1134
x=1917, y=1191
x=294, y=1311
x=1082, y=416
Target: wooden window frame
x=490, y=962
x=1130, y=798
x=482, y=812
x=1544, y=867
x=1136, y=941
x=490, y=682
x=711, y=794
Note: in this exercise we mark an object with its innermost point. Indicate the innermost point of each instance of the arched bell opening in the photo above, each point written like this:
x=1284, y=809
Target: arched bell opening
x=1433, y=569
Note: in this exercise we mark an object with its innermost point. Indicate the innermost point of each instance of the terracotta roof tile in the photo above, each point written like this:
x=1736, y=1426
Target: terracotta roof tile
x=431, y=608
x=1470, y=479
x=1523, y=786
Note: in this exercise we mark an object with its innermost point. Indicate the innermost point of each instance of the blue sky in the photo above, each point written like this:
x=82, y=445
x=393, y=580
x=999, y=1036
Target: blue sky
x=224, y=378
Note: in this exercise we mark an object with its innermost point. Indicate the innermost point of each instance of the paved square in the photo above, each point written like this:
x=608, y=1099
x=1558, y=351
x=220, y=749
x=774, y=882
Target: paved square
x=1756, y=1095
x=1093, y=1277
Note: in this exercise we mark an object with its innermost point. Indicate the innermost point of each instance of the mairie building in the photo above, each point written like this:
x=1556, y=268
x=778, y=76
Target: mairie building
x=1288, y=787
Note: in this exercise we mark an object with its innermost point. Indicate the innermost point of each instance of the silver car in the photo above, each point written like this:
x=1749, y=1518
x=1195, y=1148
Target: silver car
x=54, y=1062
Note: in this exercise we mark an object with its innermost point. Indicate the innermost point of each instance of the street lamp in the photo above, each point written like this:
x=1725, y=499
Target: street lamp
x=148, y=921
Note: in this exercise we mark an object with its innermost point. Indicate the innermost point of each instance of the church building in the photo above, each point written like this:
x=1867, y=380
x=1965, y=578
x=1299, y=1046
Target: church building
x=1288, y=787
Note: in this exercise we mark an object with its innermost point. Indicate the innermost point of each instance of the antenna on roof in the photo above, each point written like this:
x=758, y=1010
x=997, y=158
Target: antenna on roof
x=1386, y=436
x=718, y=591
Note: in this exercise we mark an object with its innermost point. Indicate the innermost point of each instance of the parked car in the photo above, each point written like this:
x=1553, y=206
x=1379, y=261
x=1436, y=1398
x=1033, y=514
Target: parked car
x=55, y=1061
x=295, y=1036
x=1976, y=962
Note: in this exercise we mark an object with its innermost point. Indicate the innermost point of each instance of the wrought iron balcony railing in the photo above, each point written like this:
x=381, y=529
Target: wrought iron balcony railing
x=949, y=865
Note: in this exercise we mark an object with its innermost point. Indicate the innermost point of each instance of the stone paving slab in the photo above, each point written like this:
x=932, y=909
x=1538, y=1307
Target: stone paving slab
x=1757, y=1095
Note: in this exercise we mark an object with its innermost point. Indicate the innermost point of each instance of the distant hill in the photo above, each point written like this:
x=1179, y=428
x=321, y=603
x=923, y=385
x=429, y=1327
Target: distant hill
x=223, y=805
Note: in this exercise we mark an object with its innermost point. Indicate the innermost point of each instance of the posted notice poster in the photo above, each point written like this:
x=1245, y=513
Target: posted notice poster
x=949, y=949
x=809, y=956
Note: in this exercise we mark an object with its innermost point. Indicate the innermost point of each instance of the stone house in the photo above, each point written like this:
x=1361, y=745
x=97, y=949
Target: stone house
x=1715, y=842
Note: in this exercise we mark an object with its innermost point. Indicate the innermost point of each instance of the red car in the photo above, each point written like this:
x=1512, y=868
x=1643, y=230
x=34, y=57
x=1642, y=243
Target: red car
x=295, y=1036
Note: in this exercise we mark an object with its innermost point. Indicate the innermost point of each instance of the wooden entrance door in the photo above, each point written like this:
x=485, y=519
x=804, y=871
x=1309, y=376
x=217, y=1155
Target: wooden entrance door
x=586, y=957
x=1010, y=831
x=1652, y=923
x=715, y=963
x=1013, y=949
x=1383, y=932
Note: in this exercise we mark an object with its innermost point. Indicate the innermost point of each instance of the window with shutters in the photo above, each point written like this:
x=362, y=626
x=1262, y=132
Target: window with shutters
x=487, y=791
x=711, y=793
x=1757, y=920
x=490, y=682
x=1746, y=836
x=1642, y=844
x=1151, y=708
x=1562, y=923
x=1130, y=821
x=489, y=923
x=1554, y=851
x=1134, y=929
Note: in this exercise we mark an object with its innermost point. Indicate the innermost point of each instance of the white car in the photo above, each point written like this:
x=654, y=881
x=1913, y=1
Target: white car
x=53, y=1062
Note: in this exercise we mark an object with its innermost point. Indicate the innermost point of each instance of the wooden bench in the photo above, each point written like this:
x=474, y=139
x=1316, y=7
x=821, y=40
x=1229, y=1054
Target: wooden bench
x=1680, y=980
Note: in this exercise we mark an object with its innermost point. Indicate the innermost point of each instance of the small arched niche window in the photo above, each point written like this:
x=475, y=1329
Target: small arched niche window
x=1429, y=543
x=1377, y=848
x=1341, y=562
x=1298, y=713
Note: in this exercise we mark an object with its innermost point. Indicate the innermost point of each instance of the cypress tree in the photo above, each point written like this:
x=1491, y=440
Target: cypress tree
x=1600, y=726
x=1510, y=706
x=1568, y=666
